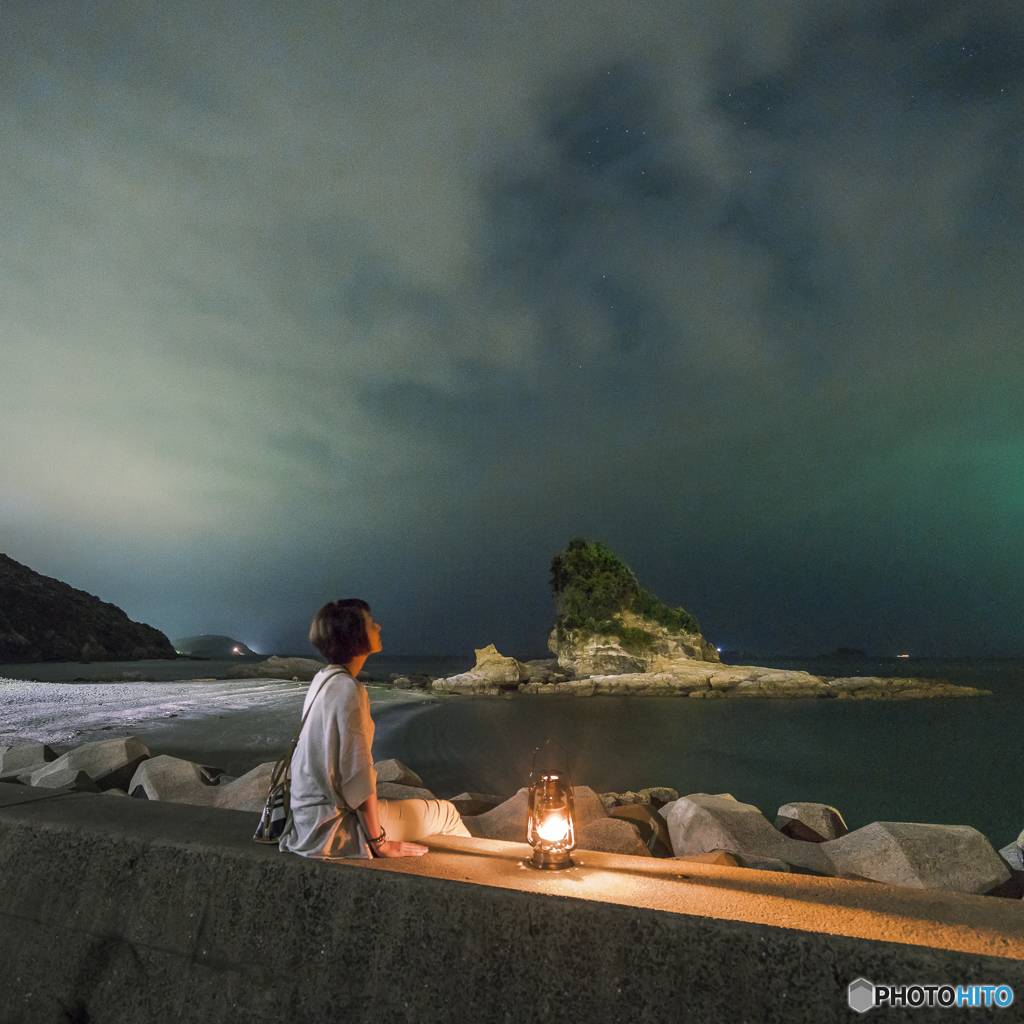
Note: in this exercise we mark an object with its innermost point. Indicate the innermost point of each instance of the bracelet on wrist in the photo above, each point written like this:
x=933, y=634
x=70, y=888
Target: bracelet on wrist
x=380, y=839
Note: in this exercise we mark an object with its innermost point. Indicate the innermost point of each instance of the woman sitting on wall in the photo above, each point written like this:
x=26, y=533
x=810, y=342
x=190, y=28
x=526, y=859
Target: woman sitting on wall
x=335, y=812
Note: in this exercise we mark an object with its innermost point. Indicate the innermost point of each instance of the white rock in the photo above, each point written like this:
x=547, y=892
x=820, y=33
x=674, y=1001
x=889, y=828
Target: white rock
x=498, y=669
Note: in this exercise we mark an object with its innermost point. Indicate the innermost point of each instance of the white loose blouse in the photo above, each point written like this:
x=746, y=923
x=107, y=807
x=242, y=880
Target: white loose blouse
x=332, y=769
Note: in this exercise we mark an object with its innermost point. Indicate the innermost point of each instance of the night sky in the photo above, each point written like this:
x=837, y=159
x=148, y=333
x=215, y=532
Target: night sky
x=303, y=301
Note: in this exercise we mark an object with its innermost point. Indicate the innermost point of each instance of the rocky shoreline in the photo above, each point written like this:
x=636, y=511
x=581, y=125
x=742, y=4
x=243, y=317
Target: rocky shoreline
x=808, y=838
x=495, y=674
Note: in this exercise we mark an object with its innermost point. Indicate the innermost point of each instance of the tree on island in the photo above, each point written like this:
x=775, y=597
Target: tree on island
x=594, y=590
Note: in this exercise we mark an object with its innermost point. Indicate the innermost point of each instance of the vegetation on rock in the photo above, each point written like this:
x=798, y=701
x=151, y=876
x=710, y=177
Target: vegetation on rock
x=593, y=586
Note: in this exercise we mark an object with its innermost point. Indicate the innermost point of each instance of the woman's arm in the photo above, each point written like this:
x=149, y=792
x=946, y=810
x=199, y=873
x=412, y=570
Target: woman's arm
x=370, y=820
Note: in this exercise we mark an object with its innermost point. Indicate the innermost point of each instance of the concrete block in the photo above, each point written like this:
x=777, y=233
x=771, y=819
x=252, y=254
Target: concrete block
x=172, y=779
x=651, y=825
x=248, y=792
x=23, y=775
x=393, y=791
x=587, y=805
x=717, y=857
x=701, y=823
x=508, y=820
x=108, y=763
x=810, y=822
x=66, y=778
x=954, y=858
x=468, y=804
x=611, y=835
x=1014, y=856
x=17, y=758
x=392, y=770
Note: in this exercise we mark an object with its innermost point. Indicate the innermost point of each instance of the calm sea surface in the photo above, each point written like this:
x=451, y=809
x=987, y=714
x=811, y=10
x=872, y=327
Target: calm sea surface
x=949, y=761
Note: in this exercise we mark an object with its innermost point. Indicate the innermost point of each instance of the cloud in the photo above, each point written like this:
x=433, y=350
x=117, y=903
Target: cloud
x=715, y=282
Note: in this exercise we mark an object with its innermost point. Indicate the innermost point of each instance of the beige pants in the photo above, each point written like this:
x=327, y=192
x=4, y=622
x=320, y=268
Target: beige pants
x=412, y=820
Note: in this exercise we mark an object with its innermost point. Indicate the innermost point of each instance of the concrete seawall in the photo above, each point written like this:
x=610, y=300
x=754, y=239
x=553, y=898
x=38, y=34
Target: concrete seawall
x=123, y=910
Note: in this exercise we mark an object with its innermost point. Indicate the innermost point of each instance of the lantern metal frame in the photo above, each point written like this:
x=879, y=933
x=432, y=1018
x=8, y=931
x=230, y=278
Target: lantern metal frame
x=550, y=794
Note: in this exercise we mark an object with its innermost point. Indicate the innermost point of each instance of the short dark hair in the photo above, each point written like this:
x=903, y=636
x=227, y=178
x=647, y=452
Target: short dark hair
x=339, y=630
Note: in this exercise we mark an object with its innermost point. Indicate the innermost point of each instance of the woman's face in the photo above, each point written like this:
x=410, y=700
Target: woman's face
x=372, y=632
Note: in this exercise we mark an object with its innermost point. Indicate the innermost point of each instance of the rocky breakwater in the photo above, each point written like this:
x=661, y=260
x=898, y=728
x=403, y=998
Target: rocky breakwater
x=42, y=619
x=804, y=838
x=123, y=767
x=807, y=838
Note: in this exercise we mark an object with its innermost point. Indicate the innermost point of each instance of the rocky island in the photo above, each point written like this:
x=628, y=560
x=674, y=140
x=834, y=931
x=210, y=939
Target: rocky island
x=611, y=636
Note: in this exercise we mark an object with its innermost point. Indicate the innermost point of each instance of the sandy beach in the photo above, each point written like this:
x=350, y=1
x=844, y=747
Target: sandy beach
x=233, y=724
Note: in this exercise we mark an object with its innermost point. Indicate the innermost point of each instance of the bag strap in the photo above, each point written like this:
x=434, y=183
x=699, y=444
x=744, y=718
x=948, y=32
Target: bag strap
x=326, y=679
x=284, y=763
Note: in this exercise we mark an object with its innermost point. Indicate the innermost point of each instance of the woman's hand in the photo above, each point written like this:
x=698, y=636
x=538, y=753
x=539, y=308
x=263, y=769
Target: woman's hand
x=393, y=848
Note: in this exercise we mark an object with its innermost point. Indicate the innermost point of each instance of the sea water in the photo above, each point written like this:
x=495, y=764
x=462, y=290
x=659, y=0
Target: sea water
x=940, y=760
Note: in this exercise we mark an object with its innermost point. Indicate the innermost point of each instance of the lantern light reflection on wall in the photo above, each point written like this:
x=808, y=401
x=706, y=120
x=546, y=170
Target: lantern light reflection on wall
x=550, y=828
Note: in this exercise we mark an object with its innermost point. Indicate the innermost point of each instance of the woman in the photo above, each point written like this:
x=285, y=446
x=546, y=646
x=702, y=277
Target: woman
x=335, y=812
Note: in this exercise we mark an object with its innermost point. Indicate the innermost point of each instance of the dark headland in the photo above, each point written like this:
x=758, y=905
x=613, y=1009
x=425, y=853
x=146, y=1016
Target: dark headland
x=42, y=619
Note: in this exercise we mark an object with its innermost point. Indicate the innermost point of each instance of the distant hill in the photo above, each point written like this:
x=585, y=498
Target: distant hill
x=42, y=619
x=212, y=645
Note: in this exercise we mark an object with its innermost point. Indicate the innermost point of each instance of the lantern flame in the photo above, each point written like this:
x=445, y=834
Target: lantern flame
x=553, y=828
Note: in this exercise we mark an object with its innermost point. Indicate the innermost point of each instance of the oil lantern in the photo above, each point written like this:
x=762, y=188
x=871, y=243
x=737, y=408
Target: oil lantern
x=550, y=829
